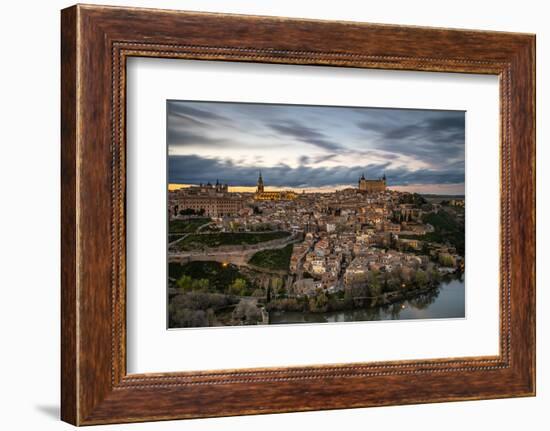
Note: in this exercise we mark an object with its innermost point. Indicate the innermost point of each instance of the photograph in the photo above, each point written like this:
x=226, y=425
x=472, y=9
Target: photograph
x=283, y=214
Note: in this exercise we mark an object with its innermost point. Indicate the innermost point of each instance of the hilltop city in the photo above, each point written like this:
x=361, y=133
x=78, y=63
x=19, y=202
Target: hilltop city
x=274, y=256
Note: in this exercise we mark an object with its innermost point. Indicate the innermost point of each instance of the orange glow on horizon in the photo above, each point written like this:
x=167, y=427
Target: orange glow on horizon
x=450, y=189
x=173, y=187
x=252, y=189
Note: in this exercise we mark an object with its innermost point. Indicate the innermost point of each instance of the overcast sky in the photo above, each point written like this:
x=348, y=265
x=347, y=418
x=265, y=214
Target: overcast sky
x=315, y=147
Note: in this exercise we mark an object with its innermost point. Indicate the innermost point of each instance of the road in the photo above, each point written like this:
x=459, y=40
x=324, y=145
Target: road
x=235, y=257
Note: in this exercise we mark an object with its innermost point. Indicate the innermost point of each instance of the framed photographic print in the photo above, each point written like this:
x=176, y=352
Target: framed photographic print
x=323, y=242
x=322, y=214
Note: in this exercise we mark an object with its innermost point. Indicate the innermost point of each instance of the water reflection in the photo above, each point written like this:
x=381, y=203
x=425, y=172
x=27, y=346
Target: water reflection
x=447, y=301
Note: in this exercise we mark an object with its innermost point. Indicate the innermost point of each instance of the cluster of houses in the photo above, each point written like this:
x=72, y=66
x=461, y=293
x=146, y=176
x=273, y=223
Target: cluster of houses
x=347, y=233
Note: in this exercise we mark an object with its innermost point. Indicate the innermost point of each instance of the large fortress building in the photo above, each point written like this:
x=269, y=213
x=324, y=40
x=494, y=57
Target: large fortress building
x=262, y=195
x=372, y=186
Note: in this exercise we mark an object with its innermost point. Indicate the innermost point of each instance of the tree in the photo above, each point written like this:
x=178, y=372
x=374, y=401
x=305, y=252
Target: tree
x=187, y=318
x=276, y=285
x=421, y=278
x=238, y=287
x=184, y=283
x=258, y=293
x=187, y=211
x=375, y=289
x=386, y=282
x=446, y=259
x=436, y=277
x=201, y=285
x=247, y=312
x=319, y=303
x=425, y=248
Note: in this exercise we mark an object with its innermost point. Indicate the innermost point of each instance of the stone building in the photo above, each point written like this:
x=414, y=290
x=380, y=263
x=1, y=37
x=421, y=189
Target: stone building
x=212, y=206
x=372, y=186
x=262, y=195
x=207, y=199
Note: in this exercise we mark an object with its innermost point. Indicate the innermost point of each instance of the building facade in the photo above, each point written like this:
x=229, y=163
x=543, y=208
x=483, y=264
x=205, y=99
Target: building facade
x=262, y=195
x=212, y=206
x=372, y=186
x=205, y=199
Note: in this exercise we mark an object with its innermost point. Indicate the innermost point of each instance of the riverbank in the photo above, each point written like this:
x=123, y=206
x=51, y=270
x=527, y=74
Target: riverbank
x=444, y=301
x=209, y=293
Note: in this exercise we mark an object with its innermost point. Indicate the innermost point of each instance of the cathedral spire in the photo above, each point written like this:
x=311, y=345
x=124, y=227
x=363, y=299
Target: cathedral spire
x=260, y=187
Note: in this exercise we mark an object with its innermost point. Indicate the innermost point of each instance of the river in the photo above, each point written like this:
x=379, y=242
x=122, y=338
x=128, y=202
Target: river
x=447, y=301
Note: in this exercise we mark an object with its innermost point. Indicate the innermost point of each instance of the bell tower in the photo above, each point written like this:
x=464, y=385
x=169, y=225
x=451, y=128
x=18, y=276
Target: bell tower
x=260, y=187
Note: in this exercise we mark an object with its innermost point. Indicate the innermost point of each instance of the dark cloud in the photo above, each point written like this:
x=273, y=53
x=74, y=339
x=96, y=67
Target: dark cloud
x=372, y=126
x=304, y=160
x=305, y=134
x=194, y=169
x=183, y=137
x=320, y=159
x=411, y=146
x=191, y=126
x=448, y=122
x=180, y=110
x=436, y=137
x=378, y=154
x=307, y=160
